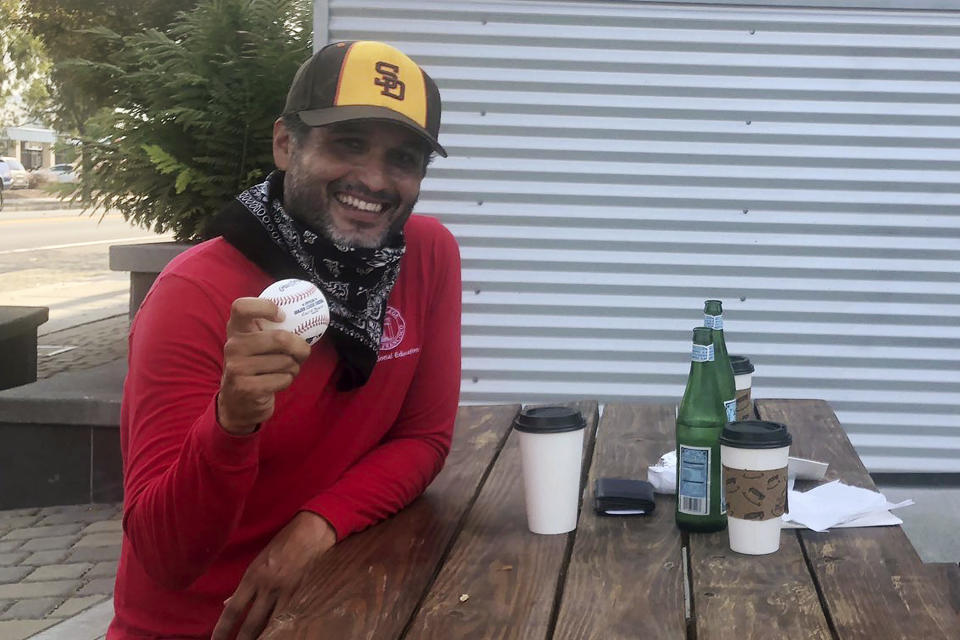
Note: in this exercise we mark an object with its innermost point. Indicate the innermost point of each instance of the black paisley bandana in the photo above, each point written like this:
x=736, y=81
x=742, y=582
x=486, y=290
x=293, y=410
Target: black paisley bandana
x=356, y=281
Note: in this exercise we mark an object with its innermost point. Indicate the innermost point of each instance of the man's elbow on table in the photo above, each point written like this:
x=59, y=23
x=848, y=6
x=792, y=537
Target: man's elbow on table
x=156, y=561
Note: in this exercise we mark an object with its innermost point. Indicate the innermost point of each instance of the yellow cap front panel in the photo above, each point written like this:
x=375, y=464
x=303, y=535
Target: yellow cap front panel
x=376, y=74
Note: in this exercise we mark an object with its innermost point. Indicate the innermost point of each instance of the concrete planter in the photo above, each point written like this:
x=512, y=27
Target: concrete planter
x=144, y=262
x=18, y=344
x=61, y=439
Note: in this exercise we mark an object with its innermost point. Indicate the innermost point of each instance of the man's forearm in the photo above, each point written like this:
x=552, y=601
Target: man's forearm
x=180, y=519
x=381, y=483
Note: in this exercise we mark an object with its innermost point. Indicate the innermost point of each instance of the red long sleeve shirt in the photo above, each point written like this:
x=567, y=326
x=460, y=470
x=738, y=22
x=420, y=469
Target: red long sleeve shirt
x=200, y=503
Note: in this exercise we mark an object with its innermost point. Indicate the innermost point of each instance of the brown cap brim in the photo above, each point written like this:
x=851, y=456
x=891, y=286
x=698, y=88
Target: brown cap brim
x=331, y=115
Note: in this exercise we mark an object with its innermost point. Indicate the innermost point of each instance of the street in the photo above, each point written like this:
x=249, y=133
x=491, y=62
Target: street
x=58, y=258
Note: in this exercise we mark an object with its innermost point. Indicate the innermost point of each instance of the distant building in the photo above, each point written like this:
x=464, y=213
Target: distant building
x=31, y=143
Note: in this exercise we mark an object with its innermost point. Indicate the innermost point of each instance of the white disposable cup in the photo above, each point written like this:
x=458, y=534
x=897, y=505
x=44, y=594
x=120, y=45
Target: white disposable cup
x=743, y=379
x=754, y=537
x=744, y=402
x=551, y=479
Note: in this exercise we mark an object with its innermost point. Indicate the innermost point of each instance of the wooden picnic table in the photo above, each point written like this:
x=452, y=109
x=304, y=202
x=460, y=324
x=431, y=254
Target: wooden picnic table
x=459, y=563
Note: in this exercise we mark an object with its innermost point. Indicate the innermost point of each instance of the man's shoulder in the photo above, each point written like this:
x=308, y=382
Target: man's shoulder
x=216, y=266
x=426, y=231
x=214, y=258
x=213, y=251
x=432, y=253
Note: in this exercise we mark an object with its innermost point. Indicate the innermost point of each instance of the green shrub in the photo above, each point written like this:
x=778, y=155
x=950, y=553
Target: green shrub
x=195, y=111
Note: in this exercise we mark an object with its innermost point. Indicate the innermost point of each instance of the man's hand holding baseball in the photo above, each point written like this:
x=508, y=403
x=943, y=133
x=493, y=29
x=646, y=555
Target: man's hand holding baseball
x=256, y=365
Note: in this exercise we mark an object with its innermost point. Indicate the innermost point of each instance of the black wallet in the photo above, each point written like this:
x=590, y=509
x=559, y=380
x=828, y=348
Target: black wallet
x=623, y=497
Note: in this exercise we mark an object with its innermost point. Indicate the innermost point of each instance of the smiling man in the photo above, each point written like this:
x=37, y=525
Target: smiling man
x=248, y=453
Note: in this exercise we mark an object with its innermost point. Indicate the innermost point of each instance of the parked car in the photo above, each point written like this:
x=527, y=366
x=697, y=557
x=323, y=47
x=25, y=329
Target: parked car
x=6, y=180
x=56, y=173
x=64, y=172
x=21, y=177
x=6, y=176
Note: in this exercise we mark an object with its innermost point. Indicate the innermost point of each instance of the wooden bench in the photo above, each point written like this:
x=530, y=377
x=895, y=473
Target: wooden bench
x=18, y=344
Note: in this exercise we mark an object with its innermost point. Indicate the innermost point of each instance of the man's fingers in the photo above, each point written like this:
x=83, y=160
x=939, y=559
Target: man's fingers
x=244, y=313
x=265, y=342
x=264, y=364
x=232, y=612
x=256, y=364
x=257, y=619
x=259, y=387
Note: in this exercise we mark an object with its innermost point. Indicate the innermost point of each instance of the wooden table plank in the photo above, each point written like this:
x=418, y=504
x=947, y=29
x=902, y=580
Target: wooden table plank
x=625, y=577
x=946, y=578
x=780, y=600
x=369, y=585
x=509, y=574
x=738, y=596
x=872, y=580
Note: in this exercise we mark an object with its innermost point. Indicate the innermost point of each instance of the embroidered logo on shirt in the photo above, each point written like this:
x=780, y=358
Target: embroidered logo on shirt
x=394, y=329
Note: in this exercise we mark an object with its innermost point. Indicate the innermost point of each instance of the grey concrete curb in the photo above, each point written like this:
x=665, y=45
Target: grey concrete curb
x=34, y=205
x=91, y=624
x=83, y=397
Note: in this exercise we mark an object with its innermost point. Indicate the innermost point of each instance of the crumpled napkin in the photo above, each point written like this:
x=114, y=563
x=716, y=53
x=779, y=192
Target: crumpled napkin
x=663, y=474
x=835, y=504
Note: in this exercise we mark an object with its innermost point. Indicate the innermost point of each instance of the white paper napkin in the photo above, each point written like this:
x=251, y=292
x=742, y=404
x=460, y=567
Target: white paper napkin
x=835, y=504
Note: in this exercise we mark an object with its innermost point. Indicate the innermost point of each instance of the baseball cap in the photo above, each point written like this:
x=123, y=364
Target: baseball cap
x=363, y=80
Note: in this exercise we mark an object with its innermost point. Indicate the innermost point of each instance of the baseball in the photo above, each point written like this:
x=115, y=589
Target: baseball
x=305, y=309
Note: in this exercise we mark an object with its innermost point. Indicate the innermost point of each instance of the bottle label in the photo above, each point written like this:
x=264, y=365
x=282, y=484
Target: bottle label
x=693, y=494
x=714, y=322
x=730, y=406
x=703, y=353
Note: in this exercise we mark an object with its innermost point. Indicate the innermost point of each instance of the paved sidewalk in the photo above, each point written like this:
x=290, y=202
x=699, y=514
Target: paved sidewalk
x=55, y=562
x=82, y=347
x=89, y=624
x=58, y=562
x=34, y=199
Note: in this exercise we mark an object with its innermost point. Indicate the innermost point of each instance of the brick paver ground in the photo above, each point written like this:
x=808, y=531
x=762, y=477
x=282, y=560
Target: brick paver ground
x=73, y=569
x=82, y=347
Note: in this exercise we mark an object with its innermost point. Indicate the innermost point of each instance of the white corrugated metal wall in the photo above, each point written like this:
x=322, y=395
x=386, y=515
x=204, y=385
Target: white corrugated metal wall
x=614, y=164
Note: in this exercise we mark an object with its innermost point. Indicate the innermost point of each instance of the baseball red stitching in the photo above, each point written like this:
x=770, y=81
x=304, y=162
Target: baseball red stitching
x=309, y=324
x=288, y=299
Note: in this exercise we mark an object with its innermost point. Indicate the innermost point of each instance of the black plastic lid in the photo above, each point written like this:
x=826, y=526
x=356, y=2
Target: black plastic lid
x=549, y=420
x=755, y=434
x=741, y=365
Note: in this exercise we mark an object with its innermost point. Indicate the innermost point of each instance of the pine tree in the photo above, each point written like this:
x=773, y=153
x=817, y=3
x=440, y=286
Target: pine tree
x=194, y=113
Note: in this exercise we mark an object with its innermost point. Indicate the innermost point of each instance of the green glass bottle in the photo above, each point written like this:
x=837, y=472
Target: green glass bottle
x=713, y=318
x=700, y=420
